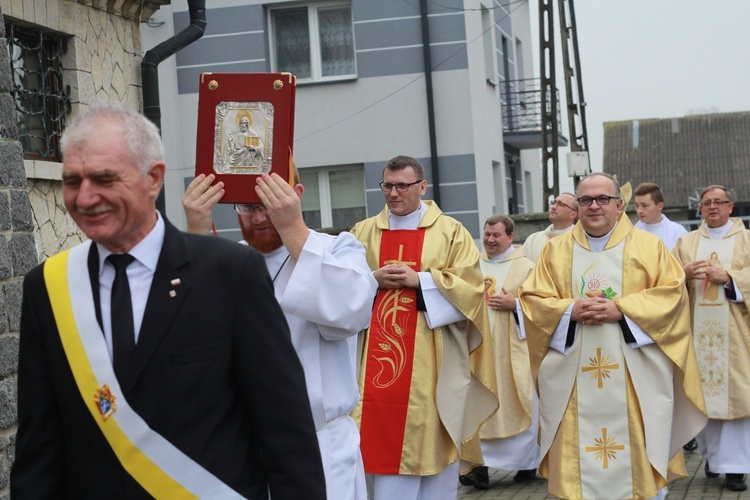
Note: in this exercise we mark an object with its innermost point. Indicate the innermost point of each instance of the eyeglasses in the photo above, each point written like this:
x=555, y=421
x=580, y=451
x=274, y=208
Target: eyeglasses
x=401, y=187
x=601, y=200
x=249, y=209
x=715, y=203
x=561, y=204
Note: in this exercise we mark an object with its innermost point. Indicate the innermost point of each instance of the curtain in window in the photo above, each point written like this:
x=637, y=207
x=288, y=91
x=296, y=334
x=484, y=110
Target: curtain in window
x=336, y=41
x=292, y=42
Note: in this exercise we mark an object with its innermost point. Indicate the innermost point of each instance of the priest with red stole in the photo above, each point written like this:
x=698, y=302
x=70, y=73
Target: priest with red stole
x=426, y=373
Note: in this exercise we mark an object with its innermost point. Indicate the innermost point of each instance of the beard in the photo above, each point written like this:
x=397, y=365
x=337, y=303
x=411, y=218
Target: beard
x=263, y=237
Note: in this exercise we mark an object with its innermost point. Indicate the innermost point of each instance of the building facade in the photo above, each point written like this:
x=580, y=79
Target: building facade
x=365, y=87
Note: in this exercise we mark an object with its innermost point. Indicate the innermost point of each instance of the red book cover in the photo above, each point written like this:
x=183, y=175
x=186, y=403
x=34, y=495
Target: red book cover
x=245, y=129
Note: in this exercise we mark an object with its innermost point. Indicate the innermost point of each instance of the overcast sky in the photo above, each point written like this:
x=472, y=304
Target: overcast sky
x=657, y=59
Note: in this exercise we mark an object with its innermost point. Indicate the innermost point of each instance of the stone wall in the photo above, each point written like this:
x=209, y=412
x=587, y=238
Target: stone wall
x=17, y=256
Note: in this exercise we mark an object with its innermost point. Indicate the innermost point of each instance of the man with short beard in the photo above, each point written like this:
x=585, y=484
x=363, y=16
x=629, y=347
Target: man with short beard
x=325, y=289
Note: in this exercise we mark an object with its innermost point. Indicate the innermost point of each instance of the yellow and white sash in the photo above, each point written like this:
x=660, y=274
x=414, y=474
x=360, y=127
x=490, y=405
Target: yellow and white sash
x=601, y=381
x=155, y=463
x=710, y=333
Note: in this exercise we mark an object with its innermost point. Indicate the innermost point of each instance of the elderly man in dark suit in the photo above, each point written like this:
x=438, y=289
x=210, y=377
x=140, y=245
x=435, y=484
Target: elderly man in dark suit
x=143, y=370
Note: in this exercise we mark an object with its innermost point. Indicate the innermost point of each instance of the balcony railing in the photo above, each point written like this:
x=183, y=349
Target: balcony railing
x=522, y=105
x=521, y=102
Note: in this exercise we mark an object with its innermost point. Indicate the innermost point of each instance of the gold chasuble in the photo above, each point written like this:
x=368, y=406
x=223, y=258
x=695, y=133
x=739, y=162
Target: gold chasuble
x=513, y=373
x=424, y=392
x=606, y=409
x=721, y=330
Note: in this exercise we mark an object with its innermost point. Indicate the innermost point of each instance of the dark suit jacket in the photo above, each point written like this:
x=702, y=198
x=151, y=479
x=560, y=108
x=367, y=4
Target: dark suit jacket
x=214, y=372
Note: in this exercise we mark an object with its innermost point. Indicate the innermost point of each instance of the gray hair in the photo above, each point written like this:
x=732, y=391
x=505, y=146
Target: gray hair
x=727, y=192
x=141, y=136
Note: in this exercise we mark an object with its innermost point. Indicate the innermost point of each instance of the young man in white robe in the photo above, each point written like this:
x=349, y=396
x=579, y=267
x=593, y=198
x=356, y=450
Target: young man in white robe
x=649, y=203
x=325, y=289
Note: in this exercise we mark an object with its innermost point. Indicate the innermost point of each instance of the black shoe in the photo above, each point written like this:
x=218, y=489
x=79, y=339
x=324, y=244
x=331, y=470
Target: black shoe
x=735, y=482
x=478, y=477
x=691, y=446
x=524, y=476
x=708, y=471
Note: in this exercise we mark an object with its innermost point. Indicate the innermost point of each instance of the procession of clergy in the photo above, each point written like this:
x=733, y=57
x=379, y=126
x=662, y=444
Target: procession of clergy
x=613, y=417
x=592, y=354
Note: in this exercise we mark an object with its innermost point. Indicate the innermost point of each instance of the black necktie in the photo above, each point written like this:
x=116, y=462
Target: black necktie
x=123, y=331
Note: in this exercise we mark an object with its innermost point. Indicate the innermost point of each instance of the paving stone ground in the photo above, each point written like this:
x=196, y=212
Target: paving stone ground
x=694, y=487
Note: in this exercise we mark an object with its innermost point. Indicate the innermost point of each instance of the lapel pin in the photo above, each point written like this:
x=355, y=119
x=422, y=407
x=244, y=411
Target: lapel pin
x=172, y=293
x=175, y=281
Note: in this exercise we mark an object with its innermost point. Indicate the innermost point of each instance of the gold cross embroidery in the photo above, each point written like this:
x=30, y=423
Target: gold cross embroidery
x=600, y=366
x=397, y=294
x=400, y=257
x=605, y=448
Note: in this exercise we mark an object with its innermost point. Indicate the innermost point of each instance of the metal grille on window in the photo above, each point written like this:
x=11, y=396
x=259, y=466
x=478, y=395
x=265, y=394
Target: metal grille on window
x=42, y=101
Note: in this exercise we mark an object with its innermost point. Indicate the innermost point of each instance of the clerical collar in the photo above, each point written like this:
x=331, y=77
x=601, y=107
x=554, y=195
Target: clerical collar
x=560, y=231
x=597, y=244
x=408, y=221
x=501, y=257
x=717, y=233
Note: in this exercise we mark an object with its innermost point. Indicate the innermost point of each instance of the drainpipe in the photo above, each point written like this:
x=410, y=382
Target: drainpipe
x=151, y=61
x=427, y=57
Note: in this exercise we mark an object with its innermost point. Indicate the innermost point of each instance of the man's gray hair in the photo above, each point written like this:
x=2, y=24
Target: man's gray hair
x=727, y=191
x=142, y=138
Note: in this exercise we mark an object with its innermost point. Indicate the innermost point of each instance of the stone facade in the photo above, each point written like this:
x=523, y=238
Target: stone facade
x=102, y=63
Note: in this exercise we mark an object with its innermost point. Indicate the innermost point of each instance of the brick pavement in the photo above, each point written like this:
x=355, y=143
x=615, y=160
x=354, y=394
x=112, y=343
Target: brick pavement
x=694, y=487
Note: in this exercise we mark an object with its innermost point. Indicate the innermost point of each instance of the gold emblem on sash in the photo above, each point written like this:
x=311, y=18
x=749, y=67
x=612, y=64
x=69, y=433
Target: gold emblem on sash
x=105, y=401
x=605, y=448
x=599, y=367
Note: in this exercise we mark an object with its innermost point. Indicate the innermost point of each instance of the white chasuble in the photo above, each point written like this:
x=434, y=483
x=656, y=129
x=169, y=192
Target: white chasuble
x=711, y=328
x=601, y=382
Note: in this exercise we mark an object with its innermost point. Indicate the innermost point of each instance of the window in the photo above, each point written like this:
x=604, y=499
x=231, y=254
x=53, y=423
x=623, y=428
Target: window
x=42, y=100
x=314, y=42
x=334, y=197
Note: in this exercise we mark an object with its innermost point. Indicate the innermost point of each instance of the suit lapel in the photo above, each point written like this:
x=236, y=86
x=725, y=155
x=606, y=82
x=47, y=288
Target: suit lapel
x=164, y=300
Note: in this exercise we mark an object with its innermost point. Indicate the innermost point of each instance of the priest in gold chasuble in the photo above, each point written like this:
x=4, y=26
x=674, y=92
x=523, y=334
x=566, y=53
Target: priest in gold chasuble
x=608, y=332
x=426, y=374
x=509, y=439
x=716, y=260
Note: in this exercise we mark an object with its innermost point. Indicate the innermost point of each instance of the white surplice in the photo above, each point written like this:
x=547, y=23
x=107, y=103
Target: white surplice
x=327, y=298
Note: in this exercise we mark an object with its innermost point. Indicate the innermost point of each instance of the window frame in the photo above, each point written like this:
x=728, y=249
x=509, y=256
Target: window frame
x=56, y=94
x=324, y=189
x=316, y=64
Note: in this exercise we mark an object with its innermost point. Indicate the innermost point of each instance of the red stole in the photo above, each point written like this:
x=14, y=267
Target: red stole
x=389, y=359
